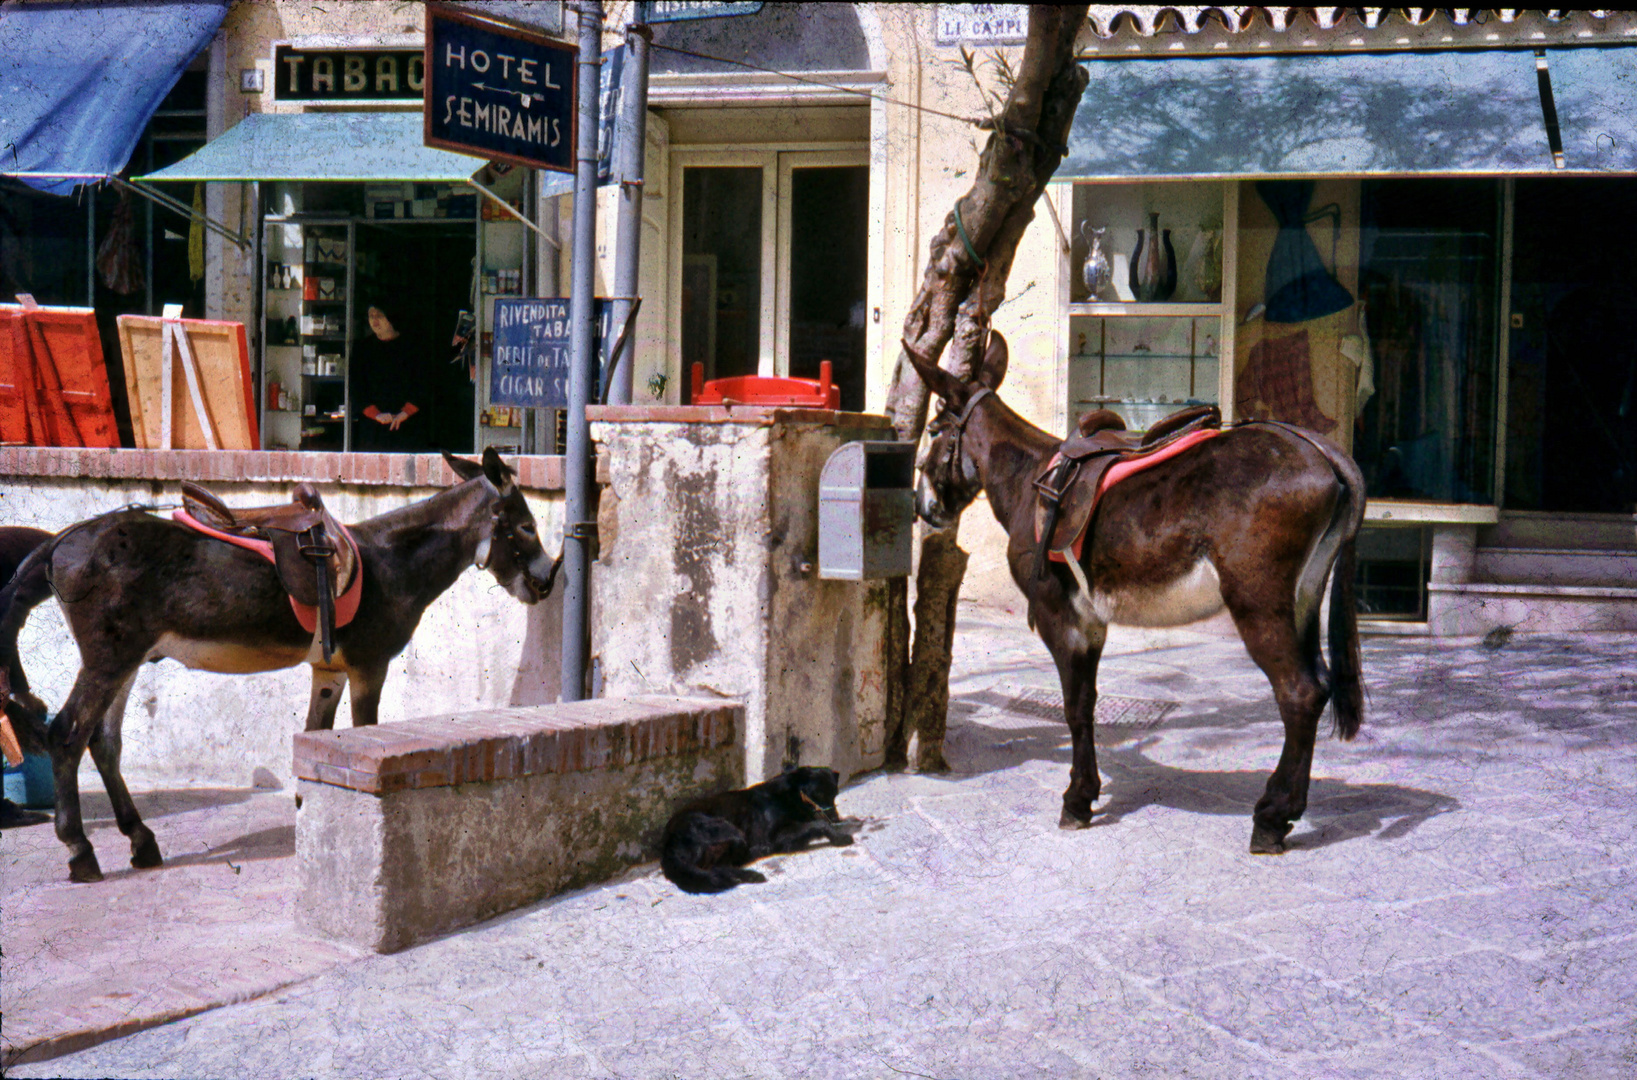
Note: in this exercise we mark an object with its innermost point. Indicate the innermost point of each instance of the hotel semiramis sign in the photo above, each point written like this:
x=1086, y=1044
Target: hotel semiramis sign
x=498, y=90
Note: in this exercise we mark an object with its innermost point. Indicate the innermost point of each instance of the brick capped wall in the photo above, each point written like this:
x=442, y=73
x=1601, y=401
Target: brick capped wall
x=535, y=472
x=508, y=744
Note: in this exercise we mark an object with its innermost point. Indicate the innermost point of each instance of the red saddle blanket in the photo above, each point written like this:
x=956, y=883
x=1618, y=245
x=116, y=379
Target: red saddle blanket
x=346, y=605
x=1120, y=471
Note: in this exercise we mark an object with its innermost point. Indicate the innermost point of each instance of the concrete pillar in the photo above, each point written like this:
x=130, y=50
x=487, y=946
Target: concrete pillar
x=708, y=579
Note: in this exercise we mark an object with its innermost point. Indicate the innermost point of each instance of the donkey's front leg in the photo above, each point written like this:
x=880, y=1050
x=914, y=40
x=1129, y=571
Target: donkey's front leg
x=1077, y=649
x=366, y=693
x=326, y=698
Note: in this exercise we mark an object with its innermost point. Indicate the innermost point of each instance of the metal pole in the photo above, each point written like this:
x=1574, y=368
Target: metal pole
x=578, y=526
x=630, y=148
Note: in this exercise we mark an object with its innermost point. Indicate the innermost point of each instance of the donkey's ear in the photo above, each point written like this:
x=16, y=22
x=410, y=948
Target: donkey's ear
x=995, y=359
x=938, y=380
x=464, y=468
x=499, y=473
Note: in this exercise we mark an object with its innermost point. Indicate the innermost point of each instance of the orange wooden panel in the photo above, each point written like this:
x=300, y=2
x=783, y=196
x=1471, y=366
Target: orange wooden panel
x=69, y=402
x=223, y=357
x=16, y=378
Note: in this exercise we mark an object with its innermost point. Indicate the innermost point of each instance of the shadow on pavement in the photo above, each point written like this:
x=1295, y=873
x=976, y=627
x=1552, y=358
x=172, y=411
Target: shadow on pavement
x=162, y=803
x=1336, y=810
x=278, y=842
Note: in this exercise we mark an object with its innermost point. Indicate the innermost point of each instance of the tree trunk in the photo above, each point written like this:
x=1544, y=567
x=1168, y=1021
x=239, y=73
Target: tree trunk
x=965, y=281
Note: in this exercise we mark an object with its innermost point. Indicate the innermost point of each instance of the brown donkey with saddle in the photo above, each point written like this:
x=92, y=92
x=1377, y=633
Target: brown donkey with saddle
x=1163, y=530
x=225, y=591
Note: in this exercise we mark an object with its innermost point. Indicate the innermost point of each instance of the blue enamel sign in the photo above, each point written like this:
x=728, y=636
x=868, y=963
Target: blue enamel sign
x=498, y=91
x=655, y=11
x=531, y=351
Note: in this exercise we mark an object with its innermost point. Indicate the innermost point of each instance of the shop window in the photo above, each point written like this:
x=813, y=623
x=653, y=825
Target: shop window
x=1428, y=282
x=1394, y=564
x=1146, y=314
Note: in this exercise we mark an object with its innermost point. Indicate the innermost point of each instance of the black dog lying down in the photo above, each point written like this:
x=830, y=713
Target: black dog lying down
x=709, y=840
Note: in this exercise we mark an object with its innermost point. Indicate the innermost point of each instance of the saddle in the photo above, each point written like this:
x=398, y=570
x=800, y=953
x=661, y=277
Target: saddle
x=1088, y=462
x=313, y=553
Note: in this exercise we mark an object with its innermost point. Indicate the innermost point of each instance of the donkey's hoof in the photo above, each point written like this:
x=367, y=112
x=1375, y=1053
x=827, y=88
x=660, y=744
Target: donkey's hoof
x=1266, y=841
x=84, y=868
x=145, y=855
x=1071, y=821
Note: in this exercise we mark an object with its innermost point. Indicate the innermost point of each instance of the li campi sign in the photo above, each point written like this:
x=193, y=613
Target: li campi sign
x=982, y=24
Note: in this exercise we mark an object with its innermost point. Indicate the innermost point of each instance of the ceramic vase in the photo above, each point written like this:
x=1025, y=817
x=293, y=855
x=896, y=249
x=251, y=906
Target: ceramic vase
x=1153, y=264
x=1209, y=276
x=1095, y=272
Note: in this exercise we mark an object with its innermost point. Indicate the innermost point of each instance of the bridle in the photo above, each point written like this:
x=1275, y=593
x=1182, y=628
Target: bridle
x=953, y=457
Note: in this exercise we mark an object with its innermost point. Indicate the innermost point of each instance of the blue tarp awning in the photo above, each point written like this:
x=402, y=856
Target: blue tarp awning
x=1451, y=113
x=371, y=146
x=80, y=81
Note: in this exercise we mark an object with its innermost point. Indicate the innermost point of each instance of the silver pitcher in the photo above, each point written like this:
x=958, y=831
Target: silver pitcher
x=1095, y=271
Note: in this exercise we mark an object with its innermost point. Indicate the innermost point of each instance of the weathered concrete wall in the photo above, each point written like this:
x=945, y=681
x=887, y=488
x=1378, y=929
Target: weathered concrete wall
x=434, y=824
x=707, y=580
x=476, y=646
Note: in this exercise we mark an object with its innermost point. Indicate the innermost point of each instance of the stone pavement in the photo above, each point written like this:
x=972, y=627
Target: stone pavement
x=1461, y=901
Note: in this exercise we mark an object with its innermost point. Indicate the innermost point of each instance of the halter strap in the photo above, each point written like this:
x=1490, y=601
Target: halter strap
x=971, y=403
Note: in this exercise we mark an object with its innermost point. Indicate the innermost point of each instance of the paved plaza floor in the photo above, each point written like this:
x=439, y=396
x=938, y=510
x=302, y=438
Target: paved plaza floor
x=1460, y=901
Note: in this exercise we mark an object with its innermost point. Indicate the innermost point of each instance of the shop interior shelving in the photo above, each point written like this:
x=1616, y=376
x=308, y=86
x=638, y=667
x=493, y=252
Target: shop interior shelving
x=1146, y=360
x=307, y=306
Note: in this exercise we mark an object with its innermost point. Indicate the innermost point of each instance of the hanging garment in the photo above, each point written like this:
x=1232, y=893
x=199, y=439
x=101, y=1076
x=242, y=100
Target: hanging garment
x=1356, y=347
x=119, y=259
x=1297, y=287
x=1278, y=385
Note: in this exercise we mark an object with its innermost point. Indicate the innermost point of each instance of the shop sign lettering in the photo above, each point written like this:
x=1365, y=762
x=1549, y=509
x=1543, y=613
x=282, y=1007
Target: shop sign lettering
x=348, y=74
x=532, y=348
x=982, y=24
x=498, y=91
x=655, y=11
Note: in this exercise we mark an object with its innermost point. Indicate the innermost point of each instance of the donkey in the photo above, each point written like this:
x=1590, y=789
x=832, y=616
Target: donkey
x=135, y=587
x=1252, y=520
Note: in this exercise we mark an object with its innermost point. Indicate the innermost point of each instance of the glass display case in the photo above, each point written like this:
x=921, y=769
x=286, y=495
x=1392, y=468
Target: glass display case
x=1151, y=273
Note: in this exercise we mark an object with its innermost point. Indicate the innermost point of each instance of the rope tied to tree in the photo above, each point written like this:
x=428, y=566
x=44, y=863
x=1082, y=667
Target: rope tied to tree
x=960, y=227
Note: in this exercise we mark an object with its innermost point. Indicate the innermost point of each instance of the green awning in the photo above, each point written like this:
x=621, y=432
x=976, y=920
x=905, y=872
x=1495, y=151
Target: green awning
x=1451, y=113
x=370, y=146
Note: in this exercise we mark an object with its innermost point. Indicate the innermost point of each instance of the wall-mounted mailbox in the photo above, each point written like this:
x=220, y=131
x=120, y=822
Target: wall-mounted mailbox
x=866, y=523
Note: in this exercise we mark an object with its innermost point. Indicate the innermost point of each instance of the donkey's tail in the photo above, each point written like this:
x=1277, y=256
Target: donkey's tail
x=1346, y=661
x=22, y=594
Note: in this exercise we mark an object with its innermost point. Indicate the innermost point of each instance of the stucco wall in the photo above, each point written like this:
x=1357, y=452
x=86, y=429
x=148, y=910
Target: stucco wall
x=706, y=581
x=476, y=646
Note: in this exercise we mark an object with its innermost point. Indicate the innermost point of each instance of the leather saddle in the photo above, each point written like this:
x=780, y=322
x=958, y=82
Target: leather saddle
x=1072, y=480
x=314, y=555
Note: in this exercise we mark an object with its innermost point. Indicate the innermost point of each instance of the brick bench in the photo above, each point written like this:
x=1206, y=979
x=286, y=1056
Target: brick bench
x=410, y=830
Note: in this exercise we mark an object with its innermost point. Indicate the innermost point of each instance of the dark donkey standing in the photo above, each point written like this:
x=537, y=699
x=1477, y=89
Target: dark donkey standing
x=1252, y=519
x=135, y=587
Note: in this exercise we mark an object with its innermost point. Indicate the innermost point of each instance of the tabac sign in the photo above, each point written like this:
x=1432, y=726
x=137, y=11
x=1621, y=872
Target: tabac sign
x=499, y=91
x=350, y=75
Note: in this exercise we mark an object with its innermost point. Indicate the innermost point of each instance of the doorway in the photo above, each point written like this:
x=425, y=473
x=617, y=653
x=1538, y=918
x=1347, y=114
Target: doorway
x=1571, y=441
x=770, y=254
x=422, y=273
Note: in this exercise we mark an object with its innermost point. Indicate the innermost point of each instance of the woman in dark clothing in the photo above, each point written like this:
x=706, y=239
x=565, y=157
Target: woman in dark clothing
x=386, y=377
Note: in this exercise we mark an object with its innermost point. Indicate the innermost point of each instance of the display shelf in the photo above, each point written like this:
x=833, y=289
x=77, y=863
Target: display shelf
x=1116, y=307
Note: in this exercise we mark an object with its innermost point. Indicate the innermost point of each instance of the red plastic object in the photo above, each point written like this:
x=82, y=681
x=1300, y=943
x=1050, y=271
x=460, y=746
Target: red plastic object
x=819, y=393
